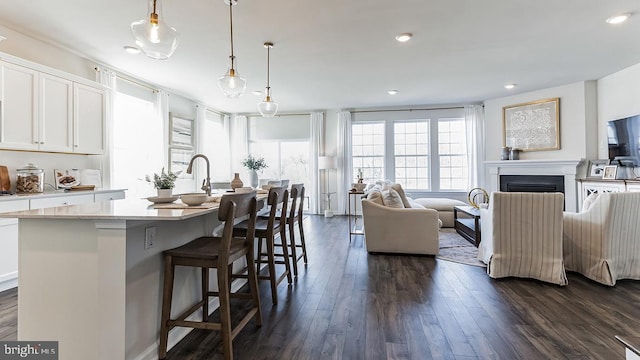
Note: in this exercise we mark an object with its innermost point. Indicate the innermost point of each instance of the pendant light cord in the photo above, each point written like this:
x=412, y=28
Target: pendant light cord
x=268, y=62
x=231, y=32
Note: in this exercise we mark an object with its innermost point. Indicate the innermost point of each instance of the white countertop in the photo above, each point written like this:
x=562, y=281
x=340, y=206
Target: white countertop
x=125, y=209
x=56, y=193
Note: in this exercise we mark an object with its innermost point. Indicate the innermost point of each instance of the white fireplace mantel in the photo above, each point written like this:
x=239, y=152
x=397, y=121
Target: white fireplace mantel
x=566, y=168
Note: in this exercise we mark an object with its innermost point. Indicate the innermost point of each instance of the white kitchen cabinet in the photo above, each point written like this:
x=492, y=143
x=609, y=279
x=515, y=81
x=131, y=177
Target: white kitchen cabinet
x=42, y=109
x=60, y=201
x=55, y=127
x=19, y=107
x=89, y=119
x=9, y=244
x=108, y=196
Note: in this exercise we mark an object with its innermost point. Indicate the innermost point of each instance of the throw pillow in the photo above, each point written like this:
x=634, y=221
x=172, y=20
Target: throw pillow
x=589, y=201
x=403, y=196
x=375, y=197
x=392, y=199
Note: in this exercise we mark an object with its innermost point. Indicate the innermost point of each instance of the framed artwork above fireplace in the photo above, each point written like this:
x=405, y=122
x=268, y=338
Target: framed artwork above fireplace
x=532, y=126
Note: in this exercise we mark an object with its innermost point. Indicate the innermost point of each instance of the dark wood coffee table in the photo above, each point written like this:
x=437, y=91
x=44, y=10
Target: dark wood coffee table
x=468, y=225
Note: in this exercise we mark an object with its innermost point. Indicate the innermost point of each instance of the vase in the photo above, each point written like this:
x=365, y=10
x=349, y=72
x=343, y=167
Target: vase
x=236, y=182
x=253, y=178
x=164, y=193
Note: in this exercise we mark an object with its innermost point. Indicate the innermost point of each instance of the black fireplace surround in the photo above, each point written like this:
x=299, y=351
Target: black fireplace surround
x=532, y=183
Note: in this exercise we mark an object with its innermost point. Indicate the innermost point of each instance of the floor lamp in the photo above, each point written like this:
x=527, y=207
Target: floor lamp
x=327, y=163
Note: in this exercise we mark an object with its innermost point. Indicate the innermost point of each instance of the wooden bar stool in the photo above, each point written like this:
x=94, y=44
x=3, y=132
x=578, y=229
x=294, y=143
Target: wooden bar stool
x=267, y=228
x=215, y=252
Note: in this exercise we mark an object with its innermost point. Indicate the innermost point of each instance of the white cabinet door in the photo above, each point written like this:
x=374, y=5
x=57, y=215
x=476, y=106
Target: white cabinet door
x=61, y=201
x=89, y=119
x=108, y=196
x=56, y=114
x=19, y=107
x=9, y=244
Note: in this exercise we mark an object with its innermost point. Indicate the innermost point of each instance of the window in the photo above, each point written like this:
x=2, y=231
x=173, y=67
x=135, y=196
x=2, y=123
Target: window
x=215, y=145
x=425, y=150
x=138, y=145
x=367, y=149
x=411, y=150
x=452, y=150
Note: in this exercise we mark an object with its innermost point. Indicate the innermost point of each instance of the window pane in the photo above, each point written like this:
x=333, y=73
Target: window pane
x=412, y=153
x=368, y=151
x=453, y=154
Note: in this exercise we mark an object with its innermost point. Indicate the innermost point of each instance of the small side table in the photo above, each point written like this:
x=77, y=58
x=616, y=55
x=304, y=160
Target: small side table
x=354, y=228
x=468, y=226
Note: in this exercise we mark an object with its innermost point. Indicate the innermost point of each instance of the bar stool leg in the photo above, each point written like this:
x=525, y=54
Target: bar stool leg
x=167, y=293
x=285, y=252
x=225, y=312
x=302, y=241
x=253, y=287
x=292, y=244
x=272, y=269
x=205, y=293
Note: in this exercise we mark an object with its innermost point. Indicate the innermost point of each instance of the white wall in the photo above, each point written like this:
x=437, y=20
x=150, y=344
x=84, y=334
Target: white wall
x=618, y=97
x=578, y=131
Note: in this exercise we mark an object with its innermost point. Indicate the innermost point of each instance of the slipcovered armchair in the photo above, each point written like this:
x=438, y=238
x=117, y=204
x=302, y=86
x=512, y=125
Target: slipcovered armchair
x=522, y=236
x=603, y=241
x=400, y=230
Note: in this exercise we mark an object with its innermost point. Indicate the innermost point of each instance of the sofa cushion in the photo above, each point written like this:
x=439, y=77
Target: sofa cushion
x=589, y=201
x=392, y=199
x=375, y=197
x=414, y=204
x=403, y=196
x=440, y=204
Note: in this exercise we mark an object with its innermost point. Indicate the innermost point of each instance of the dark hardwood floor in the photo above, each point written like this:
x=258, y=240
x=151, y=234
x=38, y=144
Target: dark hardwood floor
x=347, y=304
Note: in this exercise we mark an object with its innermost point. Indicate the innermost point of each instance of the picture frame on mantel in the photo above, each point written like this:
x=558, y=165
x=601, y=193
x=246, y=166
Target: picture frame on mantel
x=532, y=126
x=596, y=168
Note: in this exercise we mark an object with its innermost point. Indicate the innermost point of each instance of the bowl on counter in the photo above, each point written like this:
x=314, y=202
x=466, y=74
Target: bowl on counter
x=194, y=199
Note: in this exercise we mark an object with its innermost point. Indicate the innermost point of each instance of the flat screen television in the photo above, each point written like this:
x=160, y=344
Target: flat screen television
x=624, y=141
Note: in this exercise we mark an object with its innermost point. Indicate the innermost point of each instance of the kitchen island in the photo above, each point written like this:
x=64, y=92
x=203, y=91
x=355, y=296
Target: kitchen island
x=90, y=279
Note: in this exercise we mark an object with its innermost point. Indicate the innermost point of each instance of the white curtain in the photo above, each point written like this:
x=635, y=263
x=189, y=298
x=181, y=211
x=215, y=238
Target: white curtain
x=162, y=110
x=317, y=141
x=226, y=124
x=239, y=145
x=343, y=158
x=474, y=121
x=107, y=78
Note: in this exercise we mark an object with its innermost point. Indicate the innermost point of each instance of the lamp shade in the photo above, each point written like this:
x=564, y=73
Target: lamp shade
x=153, y=35
x=326, y=162
x=268, y=107
x=232, y=84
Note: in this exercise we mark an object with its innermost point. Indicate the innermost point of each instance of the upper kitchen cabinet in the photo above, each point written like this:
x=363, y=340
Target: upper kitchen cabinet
x=18, y=107
x=43, y=109
x=90, y=103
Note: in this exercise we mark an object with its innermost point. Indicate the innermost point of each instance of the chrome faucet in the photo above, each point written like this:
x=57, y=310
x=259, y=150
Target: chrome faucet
x=206, y=183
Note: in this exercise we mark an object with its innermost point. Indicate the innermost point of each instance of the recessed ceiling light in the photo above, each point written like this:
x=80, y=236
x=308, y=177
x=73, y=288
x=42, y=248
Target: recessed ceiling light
x=618, y=19
x=132, y=50
x=2, y=38
x=257, y=93
x=392, y=92
x=510, y=86
x=404, y=37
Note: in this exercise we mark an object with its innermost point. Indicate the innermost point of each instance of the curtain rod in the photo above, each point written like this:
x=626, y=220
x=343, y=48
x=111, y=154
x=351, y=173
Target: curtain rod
x=393, y=110
x=278, y=115
x=206, y=108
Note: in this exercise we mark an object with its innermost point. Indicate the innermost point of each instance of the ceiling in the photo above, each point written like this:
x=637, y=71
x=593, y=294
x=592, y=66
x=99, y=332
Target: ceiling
x=343, y=54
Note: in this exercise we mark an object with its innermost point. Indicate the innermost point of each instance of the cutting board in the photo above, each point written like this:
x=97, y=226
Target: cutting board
x=5, y=182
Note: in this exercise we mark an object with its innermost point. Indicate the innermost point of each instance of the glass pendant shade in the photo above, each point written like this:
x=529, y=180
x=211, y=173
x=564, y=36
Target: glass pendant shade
x=232, y=84
x=153, y=35
x=268, y=108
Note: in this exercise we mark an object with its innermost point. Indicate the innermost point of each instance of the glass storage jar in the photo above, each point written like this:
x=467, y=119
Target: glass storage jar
x=30, y=180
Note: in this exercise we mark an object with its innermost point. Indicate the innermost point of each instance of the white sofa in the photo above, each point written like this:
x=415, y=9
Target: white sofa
x=522, y=236
x=603, y=241
x=400, y=230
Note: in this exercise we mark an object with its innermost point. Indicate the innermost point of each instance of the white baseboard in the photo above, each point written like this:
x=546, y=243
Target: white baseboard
x=8, y=281
x=178, y=333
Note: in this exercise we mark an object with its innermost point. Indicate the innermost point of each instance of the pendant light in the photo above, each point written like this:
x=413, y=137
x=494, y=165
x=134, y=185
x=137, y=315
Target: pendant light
x=268, y=107
x=231, y=83
x=153, y=35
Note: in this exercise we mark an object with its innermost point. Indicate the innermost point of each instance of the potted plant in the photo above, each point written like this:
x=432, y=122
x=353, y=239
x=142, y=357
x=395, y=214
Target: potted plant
x=164, y=182
x=254, y=165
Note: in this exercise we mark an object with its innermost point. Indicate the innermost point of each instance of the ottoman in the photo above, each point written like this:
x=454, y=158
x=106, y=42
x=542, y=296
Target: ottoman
x=444, y=206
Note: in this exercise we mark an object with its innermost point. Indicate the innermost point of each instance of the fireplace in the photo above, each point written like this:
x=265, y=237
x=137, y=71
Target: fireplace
x=535, y=176
x=532, y=183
